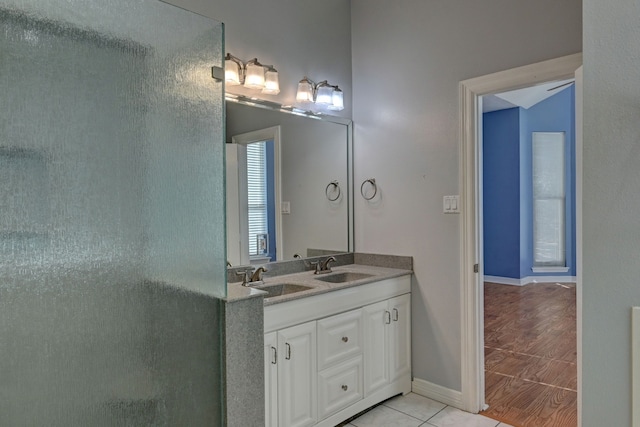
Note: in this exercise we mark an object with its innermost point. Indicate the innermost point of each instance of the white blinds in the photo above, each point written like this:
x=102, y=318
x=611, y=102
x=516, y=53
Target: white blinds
x=257, y=193
x=549, y=199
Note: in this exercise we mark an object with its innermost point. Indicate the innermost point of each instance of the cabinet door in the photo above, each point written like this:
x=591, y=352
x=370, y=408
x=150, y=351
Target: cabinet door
x=400, y=337
x=376, y=352
x=271, y=379
x=297, y=373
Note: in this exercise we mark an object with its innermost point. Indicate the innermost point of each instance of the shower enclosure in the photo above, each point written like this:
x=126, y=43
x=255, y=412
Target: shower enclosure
x=112, y=233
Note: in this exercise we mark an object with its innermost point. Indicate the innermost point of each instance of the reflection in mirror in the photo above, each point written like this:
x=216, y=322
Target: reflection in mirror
x=253, y=192
x=280, y=201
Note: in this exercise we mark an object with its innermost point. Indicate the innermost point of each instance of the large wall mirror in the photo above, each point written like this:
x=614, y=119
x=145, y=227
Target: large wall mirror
x=289, y=183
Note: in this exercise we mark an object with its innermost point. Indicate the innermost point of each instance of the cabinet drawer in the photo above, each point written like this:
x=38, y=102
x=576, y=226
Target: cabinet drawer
x=339, y=387
x=339, y=338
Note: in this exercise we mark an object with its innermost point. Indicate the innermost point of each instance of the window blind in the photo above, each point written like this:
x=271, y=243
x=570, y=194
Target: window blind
x=256, y=193
x=549, y=199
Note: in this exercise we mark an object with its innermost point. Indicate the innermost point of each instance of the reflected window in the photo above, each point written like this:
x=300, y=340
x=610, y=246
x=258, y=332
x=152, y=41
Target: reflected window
x=260, y=197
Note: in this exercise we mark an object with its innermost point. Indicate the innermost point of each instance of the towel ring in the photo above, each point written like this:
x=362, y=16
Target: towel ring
x=371, y=181
x=334, y=186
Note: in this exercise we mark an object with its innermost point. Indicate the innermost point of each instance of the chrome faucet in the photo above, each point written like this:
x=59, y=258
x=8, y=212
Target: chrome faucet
x=250, y=276
x=257, y=275
x=323, y=267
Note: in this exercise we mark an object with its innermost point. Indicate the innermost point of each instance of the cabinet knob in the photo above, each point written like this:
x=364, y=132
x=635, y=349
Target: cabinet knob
x=345, y=387
x=345, y=339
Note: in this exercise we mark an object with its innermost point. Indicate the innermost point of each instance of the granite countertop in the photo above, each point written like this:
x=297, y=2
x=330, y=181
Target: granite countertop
x=317, y=286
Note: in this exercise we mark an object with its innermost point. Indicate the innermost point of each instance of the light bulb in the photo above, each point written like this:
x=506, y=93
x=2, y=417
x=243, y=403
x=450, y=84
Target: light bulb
x=305, y=91
x=324, y=95
x=255, y=75
x=337, y=100
x=231, y=72
x=271, y=83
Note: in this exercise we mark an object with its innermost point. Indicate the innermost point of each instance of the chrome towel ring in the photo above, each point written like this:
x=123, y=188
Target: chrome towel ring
x=371, y=181
x=333, y=188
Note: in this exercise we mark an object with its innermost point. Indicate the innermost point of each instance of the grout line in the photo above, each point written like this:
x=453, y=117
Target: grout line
x=419, y=419
x=531, y=381
x=530, y=355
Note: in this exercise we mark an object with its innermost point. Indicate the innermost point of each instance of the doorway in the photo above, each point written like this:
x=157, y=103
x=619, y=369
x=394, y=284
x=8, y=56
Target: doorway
x=473, y=381
x=527, y=197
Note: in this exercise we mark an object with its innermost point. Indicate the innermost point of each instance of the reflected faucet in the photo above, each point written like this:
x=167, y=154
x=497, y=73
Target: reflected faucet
x=249, y=276
x=245, y=275
x=323, y=267
x=257, y=275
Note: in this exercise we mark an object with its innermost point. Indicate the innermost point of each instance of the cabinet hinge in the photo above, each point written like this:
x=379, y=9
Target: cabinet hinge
x=476, y=268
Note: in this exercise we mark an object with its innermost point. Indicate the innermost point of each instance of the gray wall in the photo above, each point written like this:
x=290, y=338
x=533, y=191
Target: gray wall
x=408, y=58
x=303, y=37
x=611, y=230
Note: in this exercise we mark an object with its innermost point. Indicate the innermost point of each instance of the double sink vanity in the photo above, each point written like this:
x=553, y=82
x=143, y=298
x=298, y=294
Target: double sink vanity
x=329, y=345
x=336, y=340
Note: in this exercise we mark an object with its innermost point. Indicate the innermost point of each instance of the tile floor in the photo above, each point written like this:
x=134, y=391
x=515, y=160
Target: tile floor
x=414, y=410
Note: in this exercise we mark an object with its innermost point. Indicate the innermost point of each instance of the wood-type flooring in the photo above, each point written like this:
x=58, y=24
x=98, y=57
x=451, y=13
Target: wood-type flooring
x=530, y=354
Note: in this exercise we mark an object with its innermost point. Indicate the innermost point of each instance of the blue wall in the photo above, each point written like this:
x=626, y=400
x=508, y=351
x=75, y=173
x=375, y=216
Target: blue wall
x=501, y=193
x=507, y=197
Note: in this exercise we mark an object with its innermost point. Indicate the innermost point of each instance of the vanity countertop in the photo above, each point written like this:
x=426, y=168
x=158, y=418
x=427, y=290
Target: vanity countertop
x=314, y=281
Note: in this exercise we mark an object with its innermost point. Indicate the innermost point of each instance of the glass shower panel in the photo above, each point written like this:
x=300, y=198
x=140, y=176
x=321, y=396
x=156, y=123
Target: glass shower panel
x=112, y=228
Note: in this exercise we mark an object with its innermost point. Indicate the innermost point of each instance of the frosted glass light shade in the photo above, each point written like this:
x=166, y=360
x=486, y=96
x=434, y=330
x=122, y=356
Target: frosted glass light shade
x=305, y=91
x=255, y=76
x=324, y=95
x=337, y=100
x=231, y=72
x=271, y=83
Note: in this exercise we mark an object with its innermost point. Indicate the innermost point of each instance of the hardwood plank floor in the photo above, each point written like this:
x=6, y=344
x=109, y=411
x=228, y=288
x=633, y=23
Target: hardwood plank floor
x=530, y=354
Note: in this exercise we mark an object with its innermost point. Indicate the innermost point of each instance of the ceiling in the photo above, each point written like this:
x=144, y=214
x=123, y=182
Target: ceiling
x=525, y=98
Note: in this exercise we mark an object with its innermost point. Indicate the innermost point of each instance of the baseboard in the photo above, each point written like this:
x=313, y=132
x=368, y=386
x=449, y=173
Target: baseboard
x=529, y=279
x=437, y=392
x=504, y=280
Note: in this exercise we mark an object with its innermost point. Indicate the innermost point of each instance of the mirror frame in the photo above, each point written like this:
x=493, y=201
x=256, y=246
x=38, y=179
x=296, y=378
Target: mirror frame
x=274, y=106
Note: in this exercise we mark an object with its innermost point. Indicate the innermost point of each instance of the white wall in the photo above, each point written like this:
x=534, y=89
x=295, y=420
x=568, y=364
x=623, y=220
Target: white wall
x=408, y=58
x=611, y=207
x=302, y=37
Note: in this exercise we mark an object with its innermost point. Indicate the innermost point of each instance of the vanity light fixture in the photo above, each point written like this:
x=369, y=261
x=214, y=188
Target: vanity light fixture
x=252, y=75
x=322, y=93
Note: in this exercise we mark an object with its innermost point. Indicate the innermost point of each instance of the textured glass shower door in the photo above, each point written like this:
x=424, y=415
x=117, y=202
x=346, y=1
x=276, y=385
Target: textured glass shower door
x=112, y=214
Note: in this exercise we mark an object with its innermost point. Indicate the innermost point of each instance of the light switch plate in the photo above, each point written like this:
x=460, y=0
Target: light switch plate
x=285, y=208
x=451, y=204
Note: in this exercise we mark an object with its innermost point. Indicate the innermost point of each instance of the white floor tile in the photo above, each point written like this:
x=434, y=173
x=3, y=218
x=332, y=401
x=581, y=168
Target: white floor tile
x=504, y=425
x=415, y=405
x=381, y=416
x=452, y=417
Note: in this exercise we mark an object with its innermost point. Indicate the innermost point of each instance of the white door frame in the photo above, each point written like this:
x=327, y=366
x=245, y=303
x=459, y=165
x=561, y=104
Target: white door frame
x=472, y=297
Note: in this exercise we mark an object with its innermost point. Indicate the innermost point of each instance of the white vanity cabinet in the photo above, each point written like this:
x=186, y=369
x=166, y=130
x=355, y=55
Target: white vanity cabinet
x=271, y=379
x=338, y=353
x=388, y=342
x=290, y=376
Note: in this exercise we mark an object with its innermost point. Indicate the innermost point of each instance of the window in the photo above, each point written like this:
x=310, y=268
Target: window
x=549, y=199
x=257, y=194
